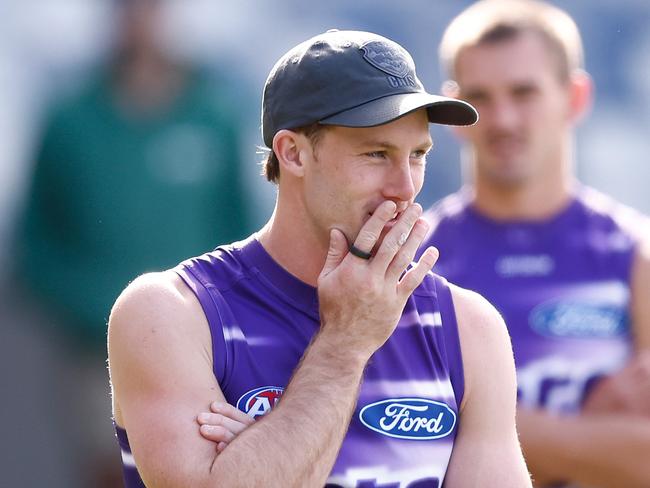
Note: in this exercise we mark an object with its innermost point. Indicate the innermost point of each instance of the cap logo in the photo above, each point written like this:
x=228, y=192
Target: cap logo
x=387, y=58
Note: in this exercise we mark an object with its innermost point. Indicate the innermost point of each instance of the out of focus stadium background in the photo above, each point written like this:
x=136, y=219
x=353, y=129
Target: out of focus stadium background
x=56, y=426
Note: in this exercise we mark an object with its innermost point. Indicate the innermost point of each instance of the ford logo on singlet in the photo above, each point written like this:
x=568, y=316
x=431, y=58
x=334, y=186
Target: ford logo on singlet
x=576, y=319
x=409, y=418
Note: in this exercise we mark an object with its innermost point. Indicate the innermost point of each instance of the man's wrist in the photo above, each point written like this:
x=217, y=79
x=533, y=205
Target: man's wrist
x=342, y=350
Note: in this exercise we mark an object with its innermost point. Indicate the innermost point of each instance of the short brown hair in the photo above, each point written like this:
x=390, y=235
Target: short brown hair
x=271, y=165
x=489, y=21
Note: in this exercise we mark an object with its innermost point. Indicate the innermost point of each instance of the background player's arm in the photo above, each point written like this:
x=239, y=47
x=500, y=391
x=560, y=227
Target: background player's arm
x=607, y=451
x=487, y=451
x=640, y=289
x=607, y=445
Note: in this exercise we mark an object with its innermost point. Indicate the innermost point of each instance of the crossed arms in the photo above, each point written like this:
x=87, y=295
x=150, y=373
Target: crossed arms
x=607, y=445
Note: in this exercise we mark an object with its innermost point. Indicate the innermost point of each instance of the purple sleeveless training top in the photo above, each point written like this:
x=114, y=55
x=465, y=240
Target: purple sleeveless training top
x=562, y=286
x=262, y=319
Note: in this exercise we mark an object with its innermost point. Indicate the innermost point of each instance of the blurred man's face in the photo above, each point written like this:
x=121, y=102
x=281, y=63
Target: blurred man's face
x=524, y=109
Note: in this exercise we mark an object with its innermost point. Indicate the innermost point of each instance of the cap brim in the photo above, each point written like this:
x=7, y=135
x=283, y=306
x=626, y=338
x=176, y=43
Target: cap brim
x=441, y=110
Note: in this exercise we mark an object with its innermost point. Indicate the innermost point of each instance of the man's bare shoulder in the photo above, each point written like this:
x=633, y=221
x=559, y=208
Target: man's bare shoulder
x=150, y=288
x=154, y=295
x=157, y=306
x=474, y=313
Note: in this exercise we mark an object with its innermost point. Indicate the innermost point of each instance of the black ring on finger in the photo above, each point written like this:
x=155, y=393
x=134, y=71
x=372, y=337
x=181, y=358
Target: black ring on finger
x=359, y=253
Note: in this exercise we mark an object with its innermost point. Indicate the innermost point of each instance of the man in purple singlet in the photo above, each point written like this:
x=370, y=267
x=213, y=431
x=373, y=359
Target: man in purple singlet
x=567, y=267
x=349, y=364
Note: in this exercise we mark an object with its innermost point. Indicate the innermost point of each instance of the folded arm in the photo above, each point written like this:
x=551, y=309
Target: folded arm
x=607, y=444
x=606, y=451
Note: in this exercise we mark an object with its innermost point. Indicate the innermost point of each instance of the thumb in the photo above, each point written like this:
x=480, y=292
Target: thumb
x=337, y=250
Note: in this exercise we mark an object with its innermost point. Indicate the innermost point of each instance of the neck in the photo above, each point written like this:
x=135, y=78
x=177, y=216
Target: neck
x=537, y=197
x=292, y=244
x=147, y=81
x=525, y=202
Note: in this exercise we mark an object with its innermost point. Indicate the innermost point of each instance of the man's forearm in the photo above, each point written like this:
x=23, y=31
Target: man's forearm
x=296, y=444
x=602, y=451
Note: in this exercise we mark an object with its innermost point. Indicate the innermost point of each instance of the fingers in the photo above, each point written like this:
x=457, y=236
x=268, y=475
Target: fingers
x=218, y=420
x=216, y=433
x=414, y=276
x=398, y=236
x=337, y=250
x=232, y=412
x=371, y=230
x=407, y=249
x=223, y=424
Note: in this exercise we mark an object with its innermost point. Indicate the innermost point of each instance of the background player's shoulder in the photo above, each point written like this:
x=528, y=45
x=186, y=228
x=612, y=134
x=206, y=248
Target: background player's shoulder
x=445, y=215
x=616, y=215
x=448, y=207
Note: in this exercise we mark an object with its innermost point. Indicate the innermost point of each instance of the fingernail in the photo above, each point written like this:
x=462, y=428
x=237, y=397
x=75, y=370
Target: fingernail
x=203, y=417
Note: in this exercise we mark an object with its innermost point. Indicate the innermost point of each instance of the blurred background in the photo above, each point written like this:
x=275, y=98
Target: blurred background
x=128, y=141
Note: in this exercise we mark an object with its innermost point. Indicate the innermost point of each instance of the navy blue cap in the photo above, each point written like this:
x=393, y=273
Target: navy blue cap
x=351, y=79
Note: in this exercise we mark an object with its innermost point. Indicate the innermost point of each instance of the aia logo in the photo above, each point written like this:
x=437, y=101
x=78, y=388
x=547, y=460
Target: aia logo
x=259, y=401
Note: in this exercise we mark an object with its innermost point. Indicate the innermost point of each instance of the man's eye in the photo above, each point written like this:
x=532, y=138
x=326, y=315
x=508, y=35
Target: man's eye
x=376, y=154
x=419, y=157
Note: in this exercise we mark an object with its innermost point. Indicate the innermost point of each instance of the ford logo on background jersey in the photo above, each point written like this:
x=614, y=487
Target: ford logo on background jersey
x=579, y=319
x=409, y=418
x=260, y=400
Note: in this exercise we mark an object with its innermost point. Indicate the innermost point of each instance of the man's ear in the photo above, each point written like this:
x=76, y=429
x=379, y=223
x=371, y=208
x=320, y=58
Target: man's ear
x=581, y=89
x=289, y=147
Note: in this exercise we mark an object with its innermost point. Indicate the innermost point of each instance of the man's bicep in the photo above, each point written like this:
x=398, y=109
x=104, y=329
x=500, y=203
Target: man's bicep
x=486, y=452
x=161, y=372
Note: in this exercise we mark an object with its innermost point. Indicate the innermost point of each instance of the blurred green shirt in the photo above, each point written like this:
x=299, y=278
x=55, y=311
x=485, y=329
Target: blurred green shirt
x=115, y=195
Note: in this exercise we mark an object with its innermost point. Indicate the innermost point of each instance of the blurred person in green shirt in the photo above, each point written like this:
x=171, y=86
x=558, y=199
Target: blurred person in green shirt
x=134, y=172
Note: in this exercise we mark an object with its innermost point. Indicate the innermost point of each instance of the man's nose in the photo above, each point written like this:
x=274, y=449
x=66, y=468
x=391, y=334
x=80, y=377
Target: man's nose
x=400, y=184
x=501, y=114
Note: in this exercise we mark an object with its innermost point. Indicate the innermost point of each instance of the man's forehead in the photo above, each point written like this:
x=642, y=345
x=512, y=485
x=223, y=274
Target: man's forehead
x=516, y=61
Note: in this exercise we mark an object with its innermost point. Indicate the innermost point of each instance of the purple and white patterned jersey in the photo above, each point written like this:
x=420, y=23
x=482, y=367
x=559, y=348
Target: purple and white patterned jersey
x=262, y=319
x=561, y=284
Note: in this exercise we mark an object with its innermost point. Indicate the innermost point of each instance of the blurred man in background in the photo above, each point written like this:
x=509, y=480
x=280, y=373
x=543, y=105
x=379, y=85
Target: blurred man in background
x=138, y=170
x=567, y=267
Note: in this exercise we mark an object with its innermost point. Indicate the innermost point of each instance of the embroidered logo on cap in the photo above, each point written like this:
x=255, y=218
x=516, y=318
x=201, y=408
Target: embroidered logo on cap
x=390, y=59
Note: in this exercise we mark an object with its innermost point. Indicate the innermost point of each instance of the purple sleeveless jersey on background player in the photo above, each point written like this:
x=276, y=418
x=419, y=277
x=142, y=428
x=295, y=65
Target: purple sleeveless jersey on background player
x=262, y=319
x=562, y=286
